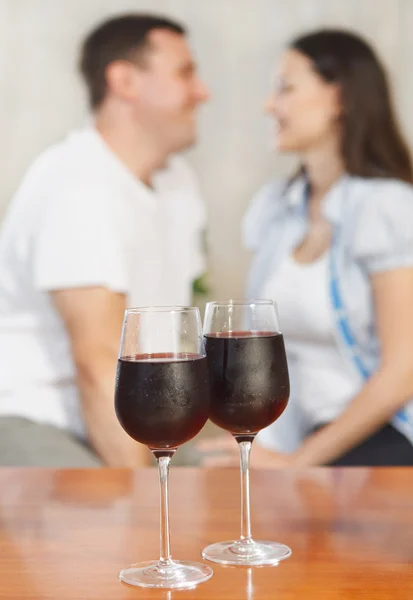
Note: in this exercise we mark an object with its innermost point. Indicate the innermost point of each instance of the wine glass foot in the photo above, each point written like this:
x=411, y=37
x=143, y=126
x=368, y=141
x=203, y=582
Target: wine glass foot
x=249, y=554
x=177, y=575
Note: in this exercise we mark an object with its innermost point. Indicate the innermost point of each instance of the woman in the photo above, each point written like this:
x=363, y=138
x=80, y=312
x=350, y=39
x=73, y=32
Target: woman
x=334, y=247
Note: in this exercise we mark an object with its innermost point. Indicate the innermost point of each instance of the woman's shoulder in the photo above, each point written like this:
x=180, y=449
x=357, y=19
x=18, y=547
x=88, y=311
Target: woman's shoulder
x=381, y=191
x=270, y=191
x=384, y=227
x=383, y=200
x=266, y=203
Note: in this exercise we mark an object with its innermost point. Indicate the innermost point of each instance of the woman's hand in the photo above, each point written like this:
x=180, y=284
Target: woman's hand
x=261, y=458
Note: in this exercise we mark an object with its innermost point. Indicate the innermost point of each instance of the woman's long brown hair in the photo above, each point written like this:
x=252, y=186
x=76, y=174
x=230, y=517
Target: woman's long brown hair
x=372, y=142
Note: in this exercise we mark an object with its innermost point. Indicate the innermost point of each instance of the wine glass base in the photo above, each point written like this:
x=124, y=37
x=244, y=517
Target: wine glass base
x=248, y=554
x=178, y=575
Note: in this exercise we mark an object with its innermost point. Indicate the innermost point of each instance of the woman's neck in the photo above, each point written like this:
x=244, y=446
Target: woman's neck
x=323, y=167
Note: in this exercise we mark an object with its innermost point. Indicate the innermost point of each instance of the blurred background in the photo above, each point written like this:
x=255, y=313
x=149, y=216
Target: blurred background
x=236, y=43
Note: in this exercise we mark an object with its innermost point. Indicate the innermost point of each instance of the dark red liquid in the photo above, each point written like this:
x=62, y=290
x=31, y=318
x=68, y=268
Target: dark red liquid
x=161, y=401
x=250, y=386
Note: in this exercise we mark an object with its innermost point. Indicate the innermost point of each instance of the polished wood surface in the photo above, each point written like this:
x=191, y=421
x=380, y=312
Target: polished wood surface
x=66, y=534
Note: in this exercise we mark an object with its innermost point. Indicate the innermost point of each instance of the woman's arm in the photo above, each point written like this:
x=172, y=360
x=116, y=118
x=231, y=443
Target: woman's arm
x=382, y=396
x=388, y=389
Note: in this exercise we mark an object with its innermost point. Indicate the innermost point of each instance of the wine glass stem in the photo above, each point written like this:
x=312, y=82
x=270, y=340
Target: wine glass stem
x=245, y=449
x=163, y=466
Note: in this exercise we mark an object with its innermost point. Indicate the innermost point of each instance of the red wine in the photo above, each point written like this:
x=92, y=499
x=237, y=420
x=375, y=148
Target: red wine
x=162, y=400
x=249, y=378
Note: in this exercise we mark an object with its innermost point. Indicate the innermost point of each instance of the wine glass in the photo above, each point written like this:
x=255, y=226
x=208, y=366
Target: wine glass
x=249, y=390
x=162, y=399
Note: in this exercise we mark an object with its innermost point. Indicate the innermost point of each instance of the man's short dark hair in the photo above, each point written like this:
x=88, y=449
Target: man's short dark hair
x=121, y=38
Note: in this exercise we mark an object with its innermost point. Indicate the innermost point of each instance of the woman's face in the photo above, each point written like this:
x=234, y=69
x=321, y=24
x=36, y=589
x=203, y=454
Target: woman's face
x=306, y=108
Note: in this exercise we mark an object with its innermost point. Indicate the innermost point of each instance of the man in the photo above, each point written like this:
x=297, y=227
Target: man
x=106, y=219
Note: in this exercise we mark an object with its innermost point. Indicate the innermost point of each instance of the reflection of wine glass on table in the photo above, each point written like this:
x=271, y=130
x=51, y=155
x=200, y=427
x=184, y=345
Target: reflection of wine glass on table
x=250, y=390
x=162, y=399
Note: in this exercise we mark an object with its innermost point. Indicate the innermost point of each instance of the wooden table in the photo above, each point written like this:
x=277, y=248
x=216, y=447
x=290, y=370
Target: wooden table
x=66, y=534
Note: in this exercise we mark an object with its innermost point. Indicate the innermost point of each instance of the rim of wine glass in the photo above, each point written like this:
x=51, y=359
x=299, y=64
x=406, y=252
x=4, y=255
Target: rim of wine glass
x=171, y=309
x=242, y=303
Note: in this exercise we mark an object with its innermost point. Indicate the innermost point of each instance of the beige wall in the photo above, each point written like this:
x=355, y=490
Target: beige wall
x=236, y=42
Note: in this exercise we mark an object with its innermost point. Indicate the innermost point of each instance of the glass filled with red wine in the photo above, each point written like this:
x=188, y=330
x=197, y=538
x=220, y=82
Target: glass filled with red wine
x=249, y=390
x=162, y=400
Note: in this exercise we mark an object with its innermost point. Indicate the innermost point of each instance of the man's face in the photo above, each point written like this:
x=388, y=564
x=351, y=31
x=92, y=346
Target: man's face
x=169, y=91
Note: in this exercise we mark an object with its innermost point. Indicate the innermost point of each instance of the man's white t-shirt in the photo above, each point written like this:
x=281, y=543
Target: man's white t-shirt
x=81, y=218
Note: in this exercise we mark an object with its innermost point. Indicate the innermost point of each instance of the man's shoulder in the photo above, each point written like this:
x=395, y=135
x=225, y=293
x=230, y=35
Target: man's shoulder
x=67, y=163
x=64, y=180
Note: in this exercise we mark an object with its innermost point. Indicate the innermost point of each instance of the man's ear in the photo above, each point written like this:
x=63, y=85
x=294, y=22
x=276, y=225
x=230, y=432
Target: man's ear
x=123, y=79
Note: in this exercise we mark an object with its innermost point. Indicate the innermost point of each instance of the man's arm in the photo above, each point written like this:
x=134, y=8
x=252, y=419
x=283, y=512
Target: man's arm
x=93, y=319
